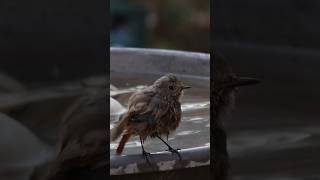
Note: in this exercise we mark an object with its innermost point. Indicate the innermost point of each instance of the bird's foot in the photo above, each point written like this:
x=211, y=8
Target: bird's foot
x=176, y=151
x=146, y=154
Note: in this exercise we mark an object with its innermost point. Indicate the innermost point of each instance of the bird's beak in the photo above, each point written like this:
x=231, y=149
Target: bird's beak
x=186, y=87
x=243, y=81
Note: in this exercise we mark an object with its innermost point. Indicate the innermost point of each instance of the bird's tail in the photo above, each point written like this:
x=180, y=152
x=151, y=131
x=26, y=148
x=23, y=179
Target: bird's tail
x=122, y=143
x=116, y=131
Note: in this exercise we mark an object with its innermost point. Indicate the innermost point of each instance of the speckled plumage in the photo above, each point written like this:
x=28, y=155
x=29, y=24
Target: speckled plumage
x=152, y=112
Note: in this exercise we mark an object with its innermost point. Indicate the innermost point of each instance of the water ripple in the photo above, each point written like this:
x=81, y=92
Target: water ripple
x=195, y=106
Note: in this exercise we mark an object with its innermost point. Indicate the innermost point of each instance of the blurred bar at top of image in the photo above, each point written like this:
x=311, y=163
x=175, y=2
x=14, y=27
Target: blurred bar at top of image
x=165, y=24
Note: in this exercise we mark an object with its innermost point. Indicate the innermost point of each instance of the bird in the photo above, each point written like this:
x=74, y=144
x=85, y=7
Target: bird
x=152, y=112
x=81, y=152
x=224, y=85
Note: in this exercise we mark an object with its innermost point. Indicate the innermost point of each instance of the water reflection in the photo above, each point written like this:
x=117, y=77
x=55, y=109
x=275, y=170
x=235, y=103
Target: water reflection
x=195, y=106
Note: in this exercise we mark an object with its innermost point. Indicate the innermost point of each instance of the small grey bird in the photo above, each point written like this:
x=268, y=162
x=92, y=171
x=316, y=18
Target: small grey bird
x=224, y=84
x=152, y=112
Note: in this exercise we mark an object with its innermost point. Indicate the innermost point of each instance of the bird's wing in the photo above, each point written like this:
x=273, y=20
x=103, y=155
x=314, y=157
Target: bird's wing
x=146, y=108
x=177, y=115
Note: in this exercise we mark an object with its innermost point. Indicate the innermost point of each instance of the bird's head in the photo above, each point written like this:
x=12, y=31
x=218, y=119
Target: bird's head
x=170, y=85
x=225, y=83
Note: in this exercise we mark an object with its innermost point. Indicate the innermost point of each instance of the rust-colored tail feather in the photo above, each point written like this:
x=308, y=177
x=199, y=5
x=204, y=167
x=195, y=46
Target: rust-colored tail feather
x=122, y=143
x=117, y=131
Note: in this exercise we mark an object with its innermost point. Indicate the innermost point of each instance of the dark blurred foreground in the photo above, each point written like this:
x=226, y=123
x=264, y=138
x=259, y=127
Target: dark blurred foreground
x=52, y=56
x=274, y=130
x=53, y=40
x=54, y=132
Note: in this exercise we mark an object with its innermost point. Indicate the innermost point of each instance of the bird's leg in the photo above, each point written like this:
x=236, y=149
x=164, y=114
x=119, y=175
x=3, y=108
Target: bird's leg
x=170, y=148
x=144, y=153
x=168, y=143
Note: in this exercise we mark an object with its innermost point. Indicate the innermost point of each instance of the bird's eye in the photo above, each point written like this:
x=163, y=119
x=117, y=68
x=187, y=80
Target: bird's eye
x=171, y=87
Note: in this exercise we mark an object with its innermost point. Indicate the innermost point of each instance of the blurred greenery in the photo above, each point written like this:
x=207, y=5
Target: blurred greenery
x=175, y=24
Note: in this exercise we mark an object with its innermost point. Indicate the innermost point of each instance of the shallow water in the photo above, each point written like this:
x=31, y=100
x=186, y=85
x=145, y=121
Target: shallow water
x=195, y=124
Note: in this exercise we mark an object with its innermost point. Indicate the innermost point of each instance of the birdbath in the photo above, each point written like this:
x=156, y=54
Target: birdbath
x=133, y=68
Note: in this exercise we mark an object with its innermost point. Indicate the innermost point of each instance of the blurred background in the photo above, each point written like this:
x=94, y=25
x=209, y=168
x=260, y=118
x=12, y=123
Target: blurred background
x=274, y=131
x=43, y=41
x=165, y=24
